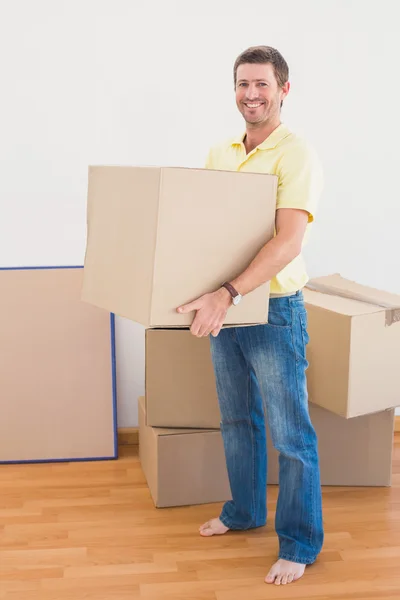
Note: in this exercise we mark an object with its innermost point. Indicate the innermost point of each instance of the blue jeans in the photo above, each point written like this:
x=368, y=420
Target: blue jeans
x=263, y=368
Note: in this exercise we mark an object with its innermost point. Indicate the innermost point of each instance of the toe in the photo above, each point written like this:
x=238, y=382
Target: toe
x=270, y=578
x=290, y=578
x=284, y=579
x=278, y=580
x=206, y=532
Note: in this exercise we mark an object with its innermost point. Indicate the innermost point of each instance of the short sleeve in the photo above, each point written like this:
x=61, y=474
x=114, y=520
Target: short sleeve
x=300, y=179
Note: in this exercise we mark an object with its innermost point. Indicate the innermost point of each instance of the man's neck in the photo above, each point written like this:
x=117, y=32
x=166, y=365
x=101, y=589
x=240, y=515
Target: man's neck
x=257, y=135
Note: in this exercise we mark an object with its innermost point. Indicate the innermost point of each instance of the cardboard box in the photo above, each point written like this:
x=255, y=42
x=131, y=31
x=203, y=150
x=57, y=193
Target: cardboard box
x=161, y=237
x=182, y=466
x=354, y=347
x=352, y=452
x=179, y=381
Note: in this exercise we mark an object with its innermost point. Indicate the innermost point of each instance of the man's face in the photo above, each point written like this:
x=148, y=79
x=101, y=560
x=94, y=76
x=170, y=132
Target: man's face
x=258, y=95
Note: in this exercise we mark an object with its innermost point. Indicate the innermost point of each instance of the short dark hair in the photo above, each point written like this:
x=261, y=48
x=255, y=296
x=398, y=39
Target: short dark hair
x=264, y=55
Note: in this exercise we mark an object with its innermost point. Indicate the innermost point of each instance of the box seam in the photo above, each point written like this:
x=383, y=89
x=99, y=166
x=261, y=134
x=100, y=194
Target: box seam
x=160, y=180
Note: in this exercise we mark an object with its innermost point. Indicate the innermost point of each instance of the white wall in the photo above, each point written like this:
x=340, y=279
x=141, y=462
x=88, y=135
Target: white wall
x=129, y=82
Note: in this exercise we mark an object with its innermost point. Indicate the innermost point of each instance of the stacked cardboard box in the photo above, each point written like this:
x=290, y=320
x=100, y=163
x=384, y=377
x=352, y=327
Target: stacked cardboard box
x=159, y=238
x=355, y=346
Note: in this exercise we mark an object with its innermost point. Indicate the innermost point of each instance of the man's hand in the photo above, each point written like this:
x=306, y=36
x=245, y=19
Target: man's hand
x=210, y=310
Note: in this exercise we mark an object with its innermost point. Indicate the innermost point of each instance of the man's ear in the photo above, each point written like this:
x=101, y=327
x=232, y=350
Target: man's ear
x=285, y=90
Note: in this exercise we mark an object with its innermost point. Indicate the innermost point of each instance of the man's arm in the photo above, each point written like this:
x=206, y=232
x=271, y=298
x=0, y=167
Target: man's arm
x=271, y=259
x=277, y=253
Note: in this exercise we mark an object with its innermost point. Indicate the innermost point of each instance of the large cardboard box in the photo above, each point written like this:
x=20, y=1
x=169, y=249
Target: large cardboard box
x=179, y=381
x=161, y=237
x=352, y=452
x=182, y=466
x=354, y=349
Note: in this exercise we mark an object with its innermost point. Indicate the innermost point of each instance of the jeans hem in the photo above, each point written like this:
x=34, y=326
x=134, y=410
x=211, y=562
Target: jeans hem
x=228, y=524
x=297, y=559
x=225, y=522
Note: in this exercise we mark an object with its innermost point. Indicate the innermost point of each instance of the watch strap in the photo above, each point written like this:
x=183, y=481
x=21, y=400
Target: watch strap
x=230, y=289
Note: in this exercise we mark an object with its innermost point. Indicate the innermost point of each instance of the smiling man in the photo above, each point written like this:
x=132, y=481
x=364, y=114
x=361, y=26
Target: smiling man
x=263, y=367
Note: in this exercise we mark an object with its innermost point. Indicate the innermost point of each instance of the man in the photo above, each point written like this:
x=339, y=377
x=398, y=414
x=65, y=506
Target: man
x=264, y=366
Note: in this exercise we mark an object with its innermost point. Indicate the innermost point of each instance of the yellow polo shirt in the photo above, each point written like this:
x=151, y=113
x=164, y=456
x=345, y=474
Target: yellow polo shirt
x=300, y=183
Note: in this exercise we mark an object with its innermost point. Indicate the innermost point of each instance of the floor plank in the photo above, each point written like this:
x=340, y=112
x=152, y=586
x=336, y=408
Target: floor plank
x=90, y=530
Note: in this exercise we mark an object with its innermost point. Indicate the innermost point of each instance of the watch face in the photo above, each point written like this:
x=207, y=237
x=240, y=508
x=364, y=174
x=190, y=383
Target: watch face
x=236, y=299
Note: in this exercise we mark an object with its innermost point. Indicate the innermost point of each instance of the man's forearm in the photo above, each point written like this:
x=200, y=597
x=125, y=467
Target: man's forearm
x=270, y=260
x=211, y=308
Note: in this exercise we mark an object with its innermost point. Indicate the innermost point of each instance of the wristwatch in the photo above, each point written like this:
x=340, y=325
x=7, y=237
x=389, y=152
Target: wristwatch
x=236, y=297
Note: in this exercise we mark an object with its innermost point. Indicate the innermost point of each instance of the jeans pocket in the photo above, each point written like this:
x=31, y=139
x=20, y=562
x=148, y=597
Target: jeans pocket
x=281, y=319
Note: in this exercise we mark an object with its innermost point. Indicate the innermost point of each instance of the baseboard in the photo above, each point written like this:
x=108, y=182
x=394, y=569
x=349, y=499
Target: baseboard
x=128, y=436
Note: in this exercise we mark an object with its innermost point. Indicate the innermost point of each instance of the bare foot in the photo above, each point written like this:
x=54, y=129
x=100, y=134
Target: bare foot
x=213, y=527
x=284, y=571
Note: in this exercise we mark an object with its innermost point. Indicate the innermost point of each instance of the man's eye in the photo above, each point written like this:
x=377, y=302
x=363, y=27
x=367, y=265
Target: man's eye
x=263, y=84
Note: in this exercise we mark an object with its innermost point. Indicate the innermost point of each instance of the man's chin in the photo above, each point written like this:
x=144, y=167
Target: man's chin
x=254, y=122
x=254, y=119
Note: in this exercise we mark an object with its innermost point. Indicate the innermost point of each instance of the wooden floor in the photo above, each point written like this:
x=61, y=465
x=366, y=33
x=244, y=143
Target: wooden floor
x=86, y=531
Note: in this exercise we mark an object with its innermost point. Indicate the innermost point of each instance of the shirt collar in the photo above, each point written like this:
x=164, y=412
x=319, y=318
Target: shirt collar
x=271, y=141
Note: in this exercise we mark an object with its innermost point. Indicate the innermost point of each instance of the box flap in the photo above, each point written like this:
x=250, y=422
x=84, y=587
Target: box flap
x=179, y=431
x=172, y=431
x=122, y=211
x=351, y=298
